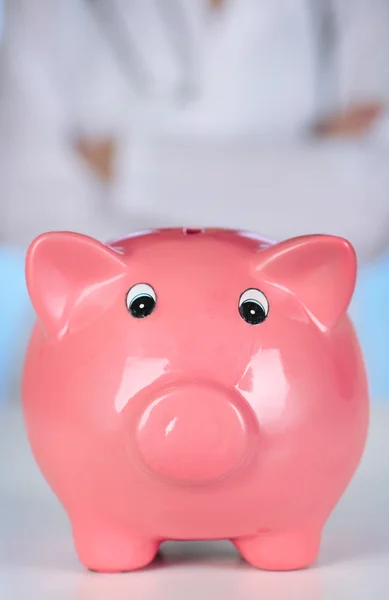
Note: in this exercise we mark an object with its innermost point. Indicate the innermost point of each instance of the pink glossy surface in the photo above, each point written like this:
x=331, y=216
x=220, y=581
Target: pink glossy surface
x=186, y=425
x=192, y=423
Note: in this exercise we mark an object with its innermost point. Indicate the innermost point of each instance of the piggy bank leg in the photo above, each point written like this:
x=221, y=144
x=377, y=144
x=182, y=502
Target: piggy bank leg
x=110, y=550
x=280, y=551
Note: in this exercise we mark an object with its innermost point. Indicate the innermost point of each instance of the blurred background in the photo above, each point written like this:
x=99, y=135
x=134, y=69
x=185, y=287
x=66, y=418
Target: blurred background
x=120, y=115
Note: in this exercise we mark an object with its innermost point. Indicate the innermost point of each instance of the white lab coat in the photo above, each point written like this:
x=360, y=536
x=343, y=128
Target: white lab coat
x=236, y=155
x=1, y=18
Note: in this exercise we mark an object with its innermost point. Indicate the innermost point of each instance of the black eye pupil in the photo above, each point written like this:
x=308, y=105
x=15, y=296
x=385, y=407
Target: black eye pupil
x=252, y=312
x=142, y=306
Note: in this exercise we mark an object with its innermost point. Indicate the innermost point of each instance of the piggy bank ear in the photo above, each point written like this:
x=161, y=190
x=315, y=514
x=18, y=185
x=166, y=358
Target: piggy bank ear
x=62, y=269
x=320, y=270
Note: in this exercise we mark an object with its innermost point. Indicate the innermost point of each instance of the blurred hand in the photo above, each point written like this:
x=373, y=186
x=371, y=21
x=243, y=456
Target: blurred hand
x=99, y=156
x=351, y=123
x=216, y=3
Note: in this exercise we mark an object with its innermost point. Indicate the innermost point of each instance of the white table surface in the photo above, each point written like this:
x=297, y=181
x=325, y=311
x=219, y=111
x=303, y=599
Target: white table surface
x=37, y=559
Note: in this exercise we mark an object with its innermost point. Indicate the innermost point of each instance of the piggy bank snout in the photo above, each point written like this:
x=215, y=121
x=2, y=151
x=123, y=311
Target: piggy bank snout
x=193, y=433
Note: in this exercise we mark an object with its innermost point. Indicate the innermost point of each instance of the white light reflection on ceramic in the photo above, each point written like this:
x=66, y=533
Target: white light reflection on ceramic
x=264, y=385
x=265, y=242
x=132, y=234
x=170, y=426
x=138, y=374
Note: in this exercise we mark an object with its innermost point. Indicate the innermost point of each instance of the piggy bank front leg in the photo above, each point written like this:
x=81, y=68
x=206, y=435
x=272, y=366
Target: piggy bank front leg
x=287, y=551
x=111, y=549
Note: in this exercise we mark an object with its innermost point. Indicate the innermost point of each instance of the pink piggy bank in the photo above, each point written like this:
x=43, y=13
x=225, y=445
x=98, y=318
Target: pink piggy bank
x=189, y=384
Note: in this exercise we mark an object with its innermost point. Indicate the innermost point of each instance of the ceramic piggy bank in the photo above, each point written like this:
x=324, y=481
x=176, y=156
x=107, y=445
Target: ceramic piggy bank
x=194, y=384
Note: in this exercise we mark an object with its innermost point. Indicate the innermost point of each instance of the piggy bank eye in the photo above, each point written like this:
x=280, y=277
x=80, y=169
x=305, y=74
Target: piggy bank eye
x=253, y=306
x=141, y=300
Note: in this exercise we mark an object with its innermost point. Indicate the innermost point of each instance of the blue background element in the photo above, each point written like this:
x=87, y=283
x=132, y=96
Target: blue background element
x=370, y=313
x=15, y=313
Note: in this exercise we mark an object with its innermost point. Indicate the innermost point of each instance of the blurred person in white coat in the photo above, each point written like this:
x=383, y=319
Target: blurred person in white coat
x=254, y=114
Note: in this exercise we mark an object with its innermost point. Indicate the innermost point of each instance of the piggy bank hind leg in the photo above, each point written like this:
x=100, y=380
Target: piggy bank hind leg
x=280, y=551
x=110, y=549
